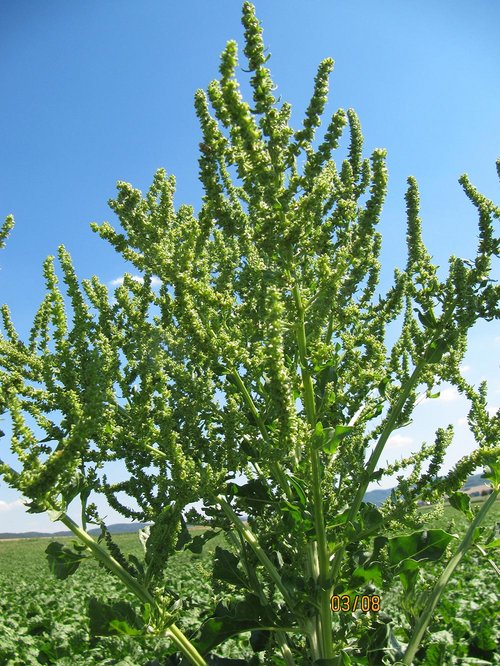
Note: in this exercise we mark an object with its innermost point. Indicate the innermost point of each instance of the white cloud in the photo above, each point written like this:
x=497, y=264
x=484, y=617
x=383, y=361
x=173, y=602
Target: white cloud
x=155, y=281
x=464, y=368
x=462, y=421
x=449, y=395
x=10, y=506
x=491, y=410
x=399, y=441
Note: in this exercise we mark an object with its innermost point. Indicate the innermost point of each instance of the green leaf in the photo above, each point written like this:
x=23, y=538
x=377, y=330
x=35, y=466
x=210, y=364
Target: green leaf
x=423, y=545
x=259, y=639
x=184, y=536
x=113, y=619
x=369, y=574
x=371, y=517
x=63, y=562
x=196, y=545
x=252, y=495
x=437, y=349
x=492, y=471
x=298, y=486
x=408, y=573
x=427, y=319
x=235, y=618
x=340, y=519
x=493, y=544
x=328, y=439
x=297, y=513
x=123, y=628
x=248, y=449
x=382, y=387
x=135, y=561
x=435, y=654
x=461, y=502
x=226, y=568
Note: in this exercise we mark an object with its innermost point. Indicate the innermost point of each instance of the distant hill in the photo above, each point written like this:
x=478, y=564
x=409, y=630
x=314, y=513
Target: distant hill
x=472, y=481
x=118, y=528
x=378, y=496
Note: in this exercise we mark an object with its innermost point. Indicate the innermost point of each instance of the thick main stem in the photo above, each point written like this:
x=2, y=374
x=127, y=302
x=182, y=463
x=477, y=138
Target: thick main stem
x=437, y=591
x=324, y=626
x=281, y=636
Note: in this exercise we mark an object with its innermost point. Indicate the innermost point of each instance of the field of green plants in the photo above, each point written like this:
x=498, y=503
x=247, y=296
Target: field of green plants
x=44, y=620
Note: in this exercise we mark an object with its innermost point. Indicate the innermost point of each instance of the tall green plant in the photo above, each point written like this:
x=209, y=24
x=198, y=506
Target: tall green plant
x=264, y=354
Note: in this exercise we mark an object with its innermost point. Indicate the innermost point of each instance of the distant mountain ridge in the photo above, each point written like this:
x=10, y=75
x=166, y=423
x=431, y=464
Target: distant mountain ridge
x=377, y=497
x=117, y=528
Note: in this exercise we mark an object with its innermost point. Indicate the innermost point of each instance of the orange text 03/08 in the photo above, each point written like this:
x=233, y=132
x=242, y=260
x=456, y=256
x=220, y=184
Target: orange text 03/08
x=348, y=604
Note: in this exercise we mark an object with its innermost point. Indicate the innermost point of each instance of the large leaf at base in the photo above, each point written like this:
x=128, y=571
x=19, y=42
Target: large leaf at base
x=235, y=618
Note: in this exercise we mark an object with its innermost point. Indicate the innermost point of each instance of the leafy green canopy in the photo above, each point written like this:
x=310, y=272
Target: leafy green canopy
x=264, y=350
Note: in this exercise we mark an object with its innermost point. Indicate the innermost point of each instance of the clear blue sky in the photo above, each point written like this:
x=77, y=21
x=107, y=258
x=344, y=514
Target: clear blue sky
x=94, y=92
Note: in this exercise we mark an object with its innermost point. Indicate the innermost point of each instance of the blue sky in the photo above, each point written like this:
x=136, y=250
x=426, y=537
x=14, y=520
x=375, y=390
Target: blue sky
x=97, y=92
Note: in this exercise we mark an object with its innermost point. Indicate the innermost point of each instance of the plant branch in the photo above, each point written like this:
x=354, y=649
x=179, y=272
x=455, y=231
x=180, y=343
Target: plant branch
x=278, y=472
x=437, y=591
x=100, y=554
x=375, y=456
x=251, y=539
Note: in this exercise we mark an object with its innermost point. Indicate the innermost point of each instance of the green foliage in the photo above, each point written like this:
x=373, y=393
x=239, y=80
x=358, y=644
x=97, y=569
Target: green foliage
x=264, y=353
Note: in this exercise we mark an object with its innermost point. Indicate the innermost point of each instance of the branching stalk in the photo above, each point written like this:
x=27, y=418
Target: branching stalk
x=251, y=539
x=438, y=589
x=275, y=467
x=375, y=456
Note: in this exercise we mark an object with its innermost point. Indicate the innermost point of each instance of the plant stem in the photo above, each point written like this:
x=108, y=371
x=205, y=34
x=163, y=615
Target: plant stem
x=108, y=561
x=275, y=467
x=255, y=583
x=185, y=646
x=182, y=642
x=325, y=617
x=435, y=594
x=375, y=456
x=251, y=539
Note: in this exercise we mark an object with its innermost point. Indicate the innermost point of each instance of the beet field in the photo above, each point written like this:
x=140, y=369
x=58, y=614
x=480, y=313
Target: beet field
x=45, y=621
